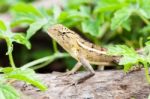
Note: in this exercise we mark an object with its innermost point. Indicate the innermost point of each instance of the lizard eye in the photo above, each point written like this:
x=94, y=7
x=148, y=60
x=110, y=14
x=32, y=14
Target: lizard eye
x=63, y=32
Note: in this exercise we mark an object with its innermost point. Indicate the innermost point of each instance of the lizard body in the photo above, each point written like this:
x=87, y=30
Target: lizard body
x=83, y=51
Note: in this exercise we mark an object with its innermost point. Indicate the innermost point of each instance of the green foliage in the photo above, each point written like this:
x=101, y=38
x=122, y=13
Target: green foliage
x=2, y=26
x=6, y=4
x=28, y=14
x=129, y=57
x=90, y=18
x=28, y=9
x=34, y=27
x=120, y=17
x=91, y=26
x=101, y=21
x=11, y=37
x=8, y=92
x=27, y=75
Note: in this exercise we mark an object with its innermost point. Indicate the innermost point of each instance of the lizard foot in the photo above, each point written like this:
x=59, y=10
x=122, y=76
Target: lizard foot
x=77, y=80
x=69, y=83
x=68, y=73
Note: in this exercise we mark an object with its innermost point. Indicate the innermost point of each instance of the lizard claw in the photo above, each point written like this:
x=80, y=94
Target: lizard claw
x=69, y=81
x=70, y=73
x=66, y=74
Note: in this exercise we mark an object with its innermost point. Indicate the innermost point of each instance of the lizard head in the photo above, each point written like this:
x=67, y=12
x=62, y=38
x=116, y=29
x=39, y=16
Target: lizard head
x=60, y=33
x=64, y=36
x=57, y=31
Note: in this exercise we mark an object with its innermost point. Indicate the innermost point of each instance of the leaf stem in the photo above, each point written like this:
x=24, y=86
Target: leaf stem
x=55, y=46
x=42, y=65
x=11, y=60
x=52, y=58
x=47, y=59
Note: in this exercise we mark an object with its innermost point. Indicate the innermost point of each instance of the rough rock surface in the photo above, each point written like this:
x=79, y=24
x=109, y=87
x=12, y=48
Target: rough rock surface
x=104, y=85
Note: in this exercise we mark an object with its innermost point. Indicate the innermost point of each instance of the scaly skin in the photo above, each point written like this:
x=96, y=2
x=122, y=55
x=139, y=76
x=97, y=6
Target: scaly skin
x=83, y=51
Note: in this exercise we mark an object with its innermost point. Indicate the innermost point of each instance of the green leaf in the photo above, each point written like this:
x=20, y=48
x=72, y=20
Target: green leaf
x=120, y=17
x=6, y=70
x=27, y=9
x=75, y=4
x=127, y=67
x=6, y=35
x=71, y=17
x=129, y=55
x=109, y=5
x=27, y=75
x=145, y=30
x=11, y=37
x=8, y=92
x=19, y=20
x=148, y=43
x=15, y=37
x=85, y=11
x=144, y=5
x=129, y=60
x=2, y=26
x=56, y=12
x=121, y=50
x=25, y=14
x=34, y=27
x=127, y=25
x=91, y=26
x=143, y=13
x=20, y=38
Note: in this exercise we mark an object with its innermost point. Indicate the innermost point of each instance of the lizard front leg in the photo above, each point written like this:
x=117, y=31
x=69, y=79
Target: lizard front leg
x=75, y=68
x=85, y=63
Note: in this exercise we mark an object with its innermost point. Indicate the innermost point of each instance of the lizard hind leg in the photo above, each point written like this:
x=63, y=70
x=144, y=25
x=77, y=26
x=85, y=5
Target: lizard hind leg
x=82, y=62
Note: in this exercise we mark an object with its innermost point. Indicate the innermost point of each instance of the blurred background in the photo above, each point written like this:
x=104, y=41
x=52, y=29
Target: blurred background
x=102, y=22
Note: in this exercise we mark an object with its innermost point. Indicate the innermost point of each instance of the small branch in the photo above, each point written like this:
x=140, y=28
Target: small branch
x=42, y=65
x=11, y=60
x=44, y=59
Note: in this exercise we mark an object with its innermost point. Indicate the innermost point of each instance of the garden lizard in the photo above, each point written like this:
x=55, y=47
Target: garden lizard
x=83, y=51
